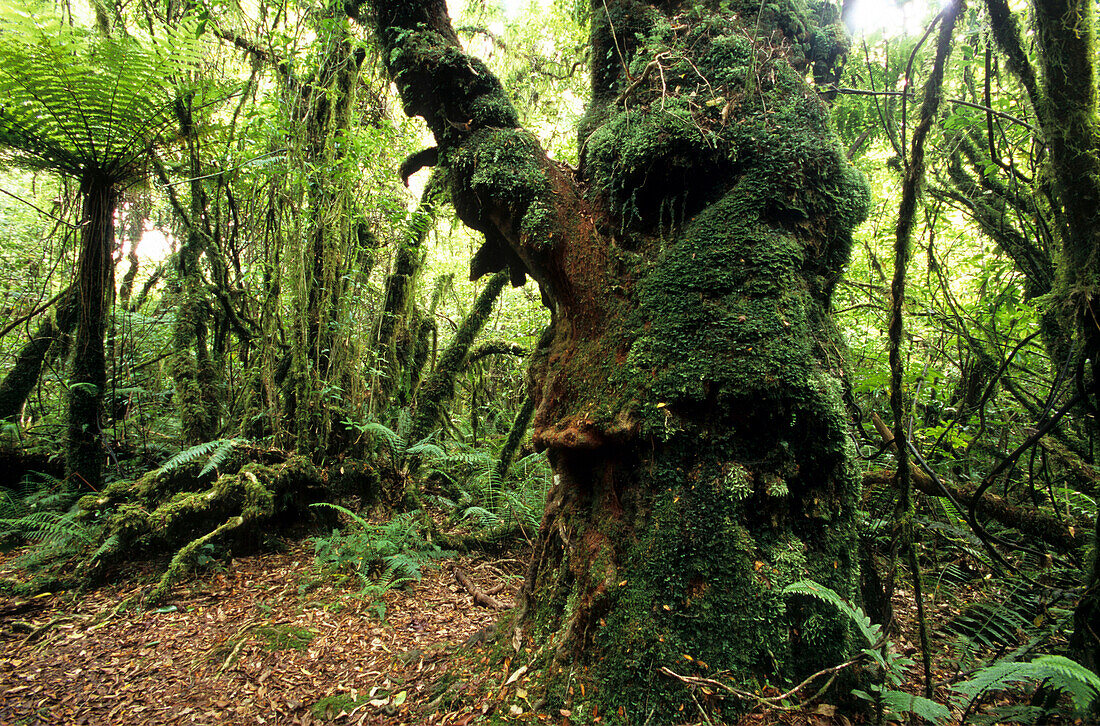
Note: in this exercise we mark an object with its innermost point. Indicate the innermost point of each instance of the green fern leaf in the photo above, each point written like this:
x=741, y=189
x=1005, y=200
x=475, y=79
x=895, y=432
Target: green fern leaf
x=362, y=523
x=870, y=631
x=900, y=702
x=221, y=452
x=189, y=455
x=1060, y=673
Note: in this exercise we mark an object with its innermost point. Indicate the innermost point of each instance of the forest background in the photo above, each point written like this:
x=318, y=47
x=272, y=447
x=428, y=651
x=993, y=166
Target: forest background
x=234, y=289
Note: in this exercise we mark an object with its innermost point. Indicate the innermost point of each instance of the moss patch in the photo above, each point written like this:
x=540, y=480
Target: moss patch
x=284, y=637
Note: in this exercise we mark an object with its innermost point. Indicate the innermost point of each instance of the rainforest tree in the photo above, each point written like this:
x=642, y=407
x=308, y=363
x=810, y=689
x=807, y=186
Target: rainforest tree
x=690, y=392
x=90, y=107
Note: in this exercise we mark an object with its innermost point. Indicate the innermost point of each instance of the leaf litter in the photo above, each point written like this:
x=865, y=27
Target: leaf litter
x=263, y=641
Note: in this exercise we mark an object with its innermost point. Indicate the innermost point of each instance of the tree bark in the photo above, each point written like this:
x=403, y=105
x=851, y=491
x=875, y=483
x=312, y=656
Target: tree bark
x=690, y=392
x=84, y=454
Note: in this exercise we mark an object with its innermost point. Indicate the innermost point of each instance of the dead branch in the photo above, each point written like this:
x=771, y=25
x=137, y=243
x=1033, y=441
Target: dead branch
x=480, y=597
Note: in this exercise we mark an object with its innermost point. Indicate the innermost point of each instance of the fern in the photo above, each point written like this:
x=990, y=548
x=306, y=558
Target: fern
x=217, y=450
x=355, y=518
x=1058, y=672
x=384, y=556
x=872, y=632
x=395, y=443
x=75, y=99
x=220, y=453
x=998, y=624
x=49, y=526
x=901, y=702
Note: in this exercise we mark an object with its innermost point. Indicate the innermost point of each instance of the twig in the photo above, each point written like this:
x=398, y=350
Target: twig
x=770, y=701
x=479, y=597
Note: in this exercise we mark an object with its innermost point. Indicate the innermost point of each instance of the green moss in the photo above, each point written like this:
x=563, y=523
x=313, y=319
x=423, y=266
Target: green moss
x=501, y=163
x=285, y=637
x=330, y=707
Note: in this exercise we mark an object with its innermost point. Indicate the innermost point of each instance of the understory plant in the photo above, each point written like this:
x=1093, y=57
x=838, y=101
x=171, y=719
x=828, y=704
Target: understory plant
x=1051, y=674
x=382, y=556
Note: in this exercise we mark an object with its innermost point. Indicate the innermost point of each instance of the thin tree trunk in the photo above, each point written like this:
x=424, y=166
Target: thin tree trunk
x=438, y=390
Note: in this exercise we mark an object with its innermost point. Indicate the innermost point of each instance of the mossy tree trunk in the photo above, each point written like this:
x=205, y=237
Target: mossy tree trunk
x=21, y=379
x=191, y=367
x=1066, y=31
x=690, y=392
x=331, y=245
x=84, y=453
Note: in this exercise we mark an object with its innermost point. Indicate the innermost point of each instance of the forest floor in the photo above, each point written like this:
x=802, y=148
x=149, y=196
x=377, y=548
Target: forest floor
x=266, y=639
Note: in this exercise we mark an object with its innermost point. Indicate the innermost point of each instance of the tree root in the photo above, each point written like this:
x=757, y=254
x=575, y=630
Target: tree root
x=480, y=597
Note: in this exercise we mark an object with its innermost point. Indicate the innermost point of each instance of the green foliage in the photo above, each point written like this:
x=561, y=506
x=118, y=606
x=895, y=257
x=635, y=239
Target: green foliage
x=78, y=101
x=872, y=632
x=382, y=556
x=891, y=668
x=1052, y=671
x=217, y=452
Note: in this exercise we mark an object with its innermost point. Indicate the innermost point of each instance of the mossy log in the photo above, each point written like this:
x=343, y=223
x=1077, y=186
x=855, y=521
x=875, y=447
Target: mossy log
x=690, y=392
x=178, y=511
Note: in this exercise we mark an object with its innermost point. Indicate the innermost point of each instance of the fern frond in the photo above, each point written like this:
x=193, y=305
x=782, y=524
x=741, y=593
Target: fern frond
x=362, y=523
x=1060, y=673
x=871, y=631
x=189, y=455
x=484, y=517
x=901, y=702
x=220, y=453
x=394, y=442
x=426, y=450
x=49, y=526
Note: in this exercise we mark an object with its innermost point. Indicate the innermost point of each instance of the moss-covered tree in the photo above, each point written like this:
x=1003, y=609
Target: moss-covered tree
x=1064, y=91
x=690, y=392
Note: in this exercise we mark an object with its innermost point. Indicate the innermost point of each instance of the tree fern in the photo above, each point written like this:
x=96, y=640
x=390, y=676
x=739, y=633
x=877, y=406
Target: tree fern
x=76, y=100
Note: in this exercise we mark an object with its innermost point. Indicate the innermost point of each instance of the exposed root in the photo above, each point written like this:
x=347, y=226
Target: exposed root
x=480, y=597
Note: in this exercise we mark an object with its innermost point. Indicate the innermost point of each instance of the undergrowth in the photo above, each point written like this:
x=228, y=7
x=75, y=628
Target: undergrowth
x=382, y=556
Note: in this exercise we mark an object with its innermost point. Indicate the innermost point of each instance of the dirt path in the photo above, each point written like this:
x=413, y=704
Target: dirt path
x=262, y=642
